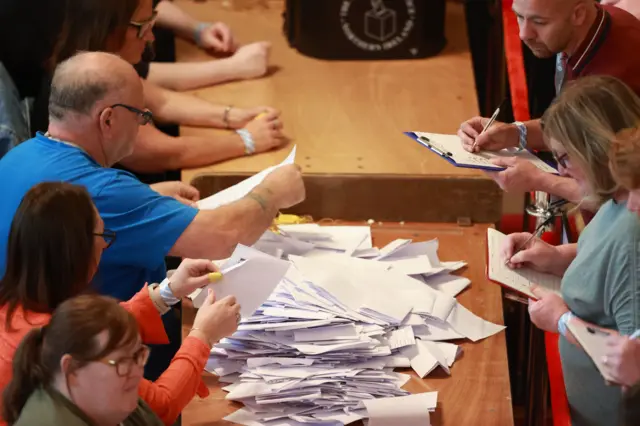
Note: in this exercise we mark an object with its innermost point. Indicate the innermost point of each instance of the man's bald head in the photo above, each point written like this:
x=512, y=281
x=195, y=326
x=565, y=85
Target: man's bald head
x=90, y=79
x=549, y=27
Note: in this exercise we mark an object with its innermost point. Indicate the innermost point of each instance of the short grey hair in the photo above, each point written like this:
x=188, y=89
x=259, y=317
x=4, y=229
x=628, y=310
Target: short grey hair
x=78, y=85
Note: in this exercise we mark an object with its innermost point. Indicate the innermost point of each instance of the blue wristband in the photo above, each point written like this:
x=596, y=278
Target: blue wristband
x=197, y=32
x=522, y=129
x=166, y=294
x=563, y=321
x=247, y=139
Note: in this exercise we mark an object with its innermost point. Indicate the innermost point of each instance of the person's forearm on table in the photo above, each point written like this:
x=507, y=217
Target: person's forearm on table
x=158, y=152
x=172, y=17
x=180, y=108
x=183, y=76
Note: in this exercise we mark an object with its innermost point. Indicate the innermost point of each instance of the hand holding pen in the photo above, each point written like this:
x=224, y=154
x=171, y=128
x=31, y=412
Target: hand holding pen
x=482, y=134
x=486, y=126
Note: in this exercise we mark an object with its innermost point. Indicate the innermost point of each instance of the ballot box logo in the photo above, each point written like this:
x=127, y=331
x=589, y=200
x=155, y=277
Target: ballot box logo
x=377, y=25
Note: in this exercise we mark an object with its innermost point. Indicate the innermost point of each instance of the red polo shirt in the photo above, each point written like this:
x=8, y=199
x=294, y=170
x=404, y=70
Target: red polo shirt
x=612, y=47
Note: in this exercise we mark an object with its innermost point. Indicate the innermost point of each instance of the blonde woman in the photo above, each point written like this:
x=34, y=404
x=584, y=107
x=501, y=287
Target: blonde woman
x=600, y=274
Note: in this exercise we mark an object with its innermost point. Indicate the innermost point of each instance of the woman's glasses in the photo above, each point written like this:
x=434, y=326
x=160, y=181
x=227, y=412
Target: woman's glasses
x=144, y=26
x=563, y=159
x=125, y=365
x=108, y=235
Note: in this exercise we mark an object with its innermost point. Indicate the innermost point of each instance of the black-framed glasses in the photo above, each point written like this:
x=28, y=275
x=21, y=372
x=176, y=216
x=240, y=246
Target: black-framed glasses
x=144, y=26
x=144, y=116
x=124, y=365
x=108, y=236
x=562, y=160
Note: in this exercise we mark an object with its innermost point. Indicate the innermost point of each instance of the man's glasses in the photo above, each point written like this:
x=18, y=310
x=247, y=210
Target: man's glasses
x=562, y=160
x=144, y=117
x=108, y=236
x=125, y=365
x=144, y=26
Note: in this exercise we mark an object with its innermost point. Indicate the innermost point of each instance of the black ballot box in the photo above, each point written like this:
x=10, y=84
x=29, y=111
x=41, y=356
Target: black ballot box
x=366, y=29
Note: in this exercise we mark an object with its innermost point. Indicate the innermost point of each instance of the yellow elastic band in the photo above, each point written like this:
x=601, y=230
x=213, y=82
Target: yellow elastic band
x=215, y=277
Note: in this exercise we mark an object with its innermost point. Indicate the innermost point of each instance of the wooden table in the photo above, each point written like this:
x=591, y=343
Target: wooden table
x=347, y=120
x=478, y=390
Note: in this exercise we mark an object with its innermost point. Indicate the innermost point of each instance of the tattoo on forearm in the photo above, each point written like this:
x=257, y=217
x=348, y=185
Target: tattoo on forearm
x=260, y=200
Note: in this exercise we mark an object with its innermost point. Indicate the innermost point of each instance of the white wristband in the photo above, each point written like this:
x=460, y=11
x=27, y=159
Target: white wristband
x=247, y=139
x=522, y=129
x=197, y=32
x=563, y=321
x=166, y=294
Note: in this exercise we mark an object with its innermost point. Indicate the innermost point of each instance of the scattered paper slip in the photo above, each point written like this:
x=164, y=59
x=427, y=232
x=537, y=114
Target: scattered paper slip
x=411, y=410
x=320, y=348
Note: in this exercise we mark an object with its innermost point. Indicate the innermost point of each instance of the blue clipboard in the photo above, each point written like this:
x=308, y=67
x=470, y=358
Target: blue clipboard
x=447, y=156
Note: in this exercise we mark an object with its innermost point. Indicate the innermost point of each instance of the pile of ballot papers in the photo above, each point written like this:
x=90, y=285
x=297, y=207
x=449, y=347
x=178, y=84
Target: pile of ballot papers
x=326, y=317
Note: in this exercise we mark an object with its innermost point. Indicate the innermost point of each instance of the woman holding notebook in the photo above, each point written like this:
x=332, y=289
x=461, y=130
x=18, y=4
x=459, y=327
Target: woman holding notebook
x=600, y=274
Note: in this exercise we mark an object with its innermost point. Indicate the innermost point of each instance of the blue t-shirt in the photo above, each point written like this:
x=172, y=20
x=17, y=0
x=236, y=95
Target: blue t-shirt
x=146, y=223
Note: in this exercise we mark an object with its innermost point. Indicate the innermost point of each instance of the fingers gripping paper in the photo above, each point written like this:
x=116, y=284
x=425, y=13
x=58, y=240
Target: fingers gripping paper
x=236, y=192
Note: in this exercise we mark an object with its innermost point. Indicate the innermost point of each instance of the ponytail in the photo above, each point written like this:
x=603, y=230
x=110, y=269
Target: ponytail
x=28, y=375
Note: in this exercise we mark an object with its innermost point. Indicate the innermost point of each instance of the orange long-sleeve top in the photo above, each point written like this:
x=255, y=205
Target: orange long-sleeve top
x=167, y=396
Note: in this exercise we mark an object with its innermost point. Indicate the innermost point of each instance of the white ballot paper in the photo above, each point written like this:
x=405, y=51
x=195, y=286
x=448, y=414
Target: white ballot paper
x=520, y=280
x=251, y=281
x=410, y=410
x=592, y=341
x=239, y=190
x=321, y=348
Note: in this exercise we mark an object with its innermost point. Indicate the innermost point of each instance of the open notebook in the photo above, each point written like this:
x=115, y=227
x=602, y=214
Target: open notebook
x=520, y=280
x=450, y=148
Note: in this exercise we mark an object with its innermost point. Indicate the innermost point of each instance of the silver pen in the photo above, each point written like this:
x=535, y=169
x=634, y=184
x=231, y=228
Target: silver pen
x=489, y=123
x=534, y=235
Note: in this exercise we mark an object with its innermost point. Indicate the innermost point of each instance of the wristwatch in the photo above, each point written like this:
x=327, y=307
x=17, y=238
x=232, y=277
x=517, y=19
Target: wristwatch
x=522, y=129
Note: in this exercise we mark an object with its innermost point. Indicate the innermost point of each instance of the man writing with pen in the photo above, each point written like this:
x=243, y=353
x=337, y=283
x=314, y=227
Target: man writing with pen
x=587, y=39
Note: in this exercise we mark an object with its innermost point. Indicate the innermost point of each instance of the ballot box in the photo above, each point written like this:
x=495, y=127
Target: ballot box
x=365, y=29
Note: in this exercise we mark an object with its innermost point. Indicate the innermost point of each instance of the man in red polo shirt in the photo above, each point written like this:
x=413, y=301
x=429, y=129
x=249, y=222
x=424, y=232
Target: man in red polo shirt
x=587, y=39
x=631, y=6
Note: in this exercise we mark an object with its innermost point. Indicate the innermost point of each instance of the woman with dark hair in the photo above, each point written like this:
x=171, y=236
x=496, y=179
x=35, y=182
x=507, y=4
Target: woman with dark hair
x=55, y=245
x=125, y=27
x=89, y=340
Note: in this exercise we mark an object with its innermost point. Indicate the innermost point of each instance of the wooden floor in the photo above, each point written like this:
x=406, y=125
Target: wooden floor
x=347, y=119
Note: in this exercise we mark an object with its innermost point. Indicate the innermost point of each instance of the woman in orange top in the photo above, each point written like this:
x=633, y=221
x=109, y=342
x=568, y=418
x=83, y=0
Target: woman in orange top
x=55, y=244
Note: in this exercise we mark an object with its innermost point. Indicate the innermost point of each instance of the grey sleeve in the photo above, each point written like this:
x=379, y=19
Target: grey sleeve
x=622, y=295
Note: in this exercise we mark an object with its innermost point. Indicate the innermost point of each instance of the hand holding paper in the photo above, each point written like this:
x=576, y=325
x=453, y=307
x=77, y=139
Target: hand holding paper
x=241, y=189
x=251, y=281
x=216, y=319
x=192, y=274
